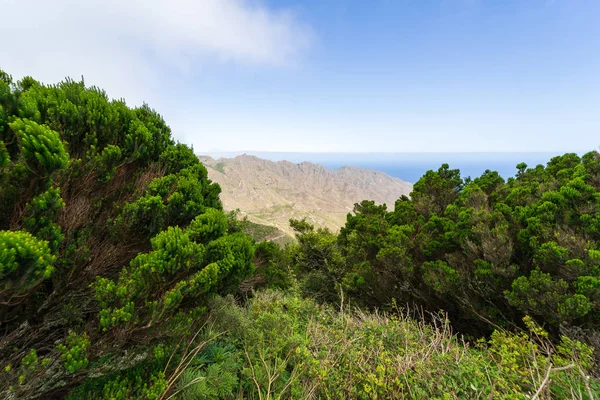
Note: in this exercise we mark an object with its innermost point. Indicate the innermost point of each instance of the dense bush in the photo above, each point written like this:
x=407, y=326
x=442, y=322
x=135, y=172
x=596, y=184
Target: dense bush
x=487, y=251
x=112, y=239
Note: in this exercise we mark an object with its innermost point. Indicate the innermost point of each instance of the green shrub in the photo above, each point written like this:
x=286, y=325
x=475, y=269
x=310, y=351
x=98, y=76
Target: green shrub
x=75, y=352
x=212, y=375
x=208, y=226
x=4, y=156
x=486, y=250
x=41, y=215
x=96, y=203
x=145, y=381
x=41, y=147
x=24, y=262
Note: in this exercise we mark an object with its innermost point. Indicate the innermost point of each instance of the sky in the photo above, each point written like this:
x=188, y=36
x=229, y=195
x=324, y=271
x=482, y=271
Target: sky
x=330, y=75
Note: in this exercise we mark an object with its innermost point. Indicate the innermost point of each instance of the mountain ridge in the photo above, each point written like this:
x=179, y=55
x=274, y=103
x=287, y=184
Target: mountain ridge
x=272, y=192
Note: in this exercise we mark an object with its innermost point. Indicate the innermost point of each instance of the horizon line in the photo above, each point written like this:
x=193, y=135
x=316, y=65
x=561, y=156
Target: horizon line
x=395, y=152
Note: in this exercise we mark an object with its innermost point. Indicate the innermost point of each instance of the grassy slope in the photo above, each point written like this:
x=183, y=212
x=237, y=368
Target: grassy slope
x=261, y=233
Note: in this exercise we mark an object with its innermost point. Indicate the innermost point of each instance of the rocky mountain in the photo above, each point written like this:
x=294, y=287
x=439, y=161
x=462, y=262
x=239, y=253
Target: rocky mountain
x=273, y=192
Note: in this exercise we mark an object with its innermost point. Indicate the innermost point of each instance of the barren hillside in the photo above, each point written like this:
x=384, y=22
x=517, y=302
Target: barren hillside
x=273, y=192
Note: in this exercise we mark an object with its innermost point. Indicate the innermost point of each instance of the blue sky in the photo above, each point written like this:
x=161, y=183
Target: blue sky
x=332, y=75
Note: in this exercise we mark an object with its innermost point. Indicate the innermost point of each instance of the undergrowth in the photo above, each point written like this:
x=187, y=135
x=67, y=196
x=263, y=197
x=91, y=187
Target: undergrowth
x=280, y=345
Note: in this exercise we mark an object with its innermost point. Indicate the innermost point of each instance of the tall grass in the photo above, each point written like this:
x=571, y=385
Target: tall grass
x=285, y=346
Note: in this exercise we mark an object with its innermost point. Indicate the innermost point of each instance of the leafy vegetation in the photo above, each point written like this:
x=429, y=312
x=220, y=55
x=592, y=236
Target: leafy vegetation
x=487, y=251
x=121, y=277
x=281, y=345
x=112, y=239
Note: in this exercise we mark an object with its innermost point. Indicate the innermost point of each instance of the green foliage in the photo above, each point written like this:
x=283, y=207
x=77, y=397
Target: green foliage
x=318, y=262
x=24, y=262
x=211, y=375
x=208, y=226
x=173, y=253
x=440, y=276
x=269, y=338
x=30, y=360
x=436, y=190
x=4, y=156
x=289, y=347
x=170, y=200
x=178, y=157
x=279, y=345
x=108, y=161
x=98, y=197
x=234, y=255
x=539, y=293
x=41, y=214
x=271, y=267
x=486, y=250
x=41, y=147
x=29, y=366
x=146, y=216
x=146, y=381
x=75, y=352
x=301, y=226
x=200, y=270
x=89, y=121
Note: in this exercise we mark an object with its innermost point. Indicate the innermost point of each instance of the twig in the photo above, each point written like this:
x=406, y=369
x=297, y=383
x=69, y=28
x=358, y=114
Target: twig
x=253, y=373
x=547, y=377
x=586, y=381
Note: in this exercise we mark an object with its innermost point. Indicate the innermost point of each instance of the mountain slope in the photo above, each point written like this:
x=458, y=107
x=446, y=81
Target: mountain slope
x=273, y=192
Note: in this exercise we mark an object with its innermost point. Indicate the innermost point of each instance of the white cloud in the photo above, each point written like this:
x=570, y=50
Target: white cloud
x=129, y=47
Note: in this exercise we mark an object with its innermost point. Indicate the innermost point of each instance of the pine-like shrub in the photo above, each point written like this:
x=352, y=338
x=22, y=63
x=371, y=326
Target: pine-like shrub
x=112, y=238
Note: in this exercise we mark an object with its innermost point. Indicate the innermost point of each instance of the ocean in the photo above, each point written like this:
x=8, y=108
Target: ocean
x=411, y=166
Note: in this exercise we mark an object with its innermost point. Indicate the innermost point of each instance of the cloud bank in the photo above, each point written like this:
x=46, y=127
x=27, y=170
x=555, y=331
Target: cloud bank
x=130, y=47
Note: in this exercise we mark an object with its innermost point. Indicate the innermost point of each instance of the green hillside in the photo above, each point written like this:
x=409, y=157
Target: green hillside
x=258, y=232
